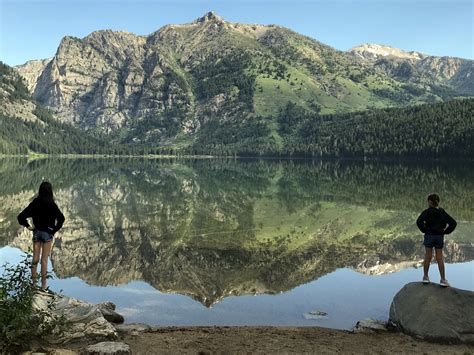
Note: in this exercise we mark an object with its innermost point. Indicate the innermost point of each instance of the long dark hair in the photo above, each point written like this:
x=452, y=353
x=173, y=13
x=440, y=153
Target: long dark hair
x=46, y=192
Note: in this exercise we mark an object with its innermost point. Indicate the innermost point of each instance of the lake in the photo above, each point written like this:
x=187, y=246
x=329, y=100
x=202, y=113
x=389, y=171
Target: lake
x=241, y=242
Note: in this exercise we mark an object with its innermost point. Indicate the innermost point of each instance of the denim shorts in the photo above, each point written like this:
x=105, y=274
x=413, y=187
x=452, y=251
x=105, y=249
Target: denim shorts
x=41, y=236
x=433, y=241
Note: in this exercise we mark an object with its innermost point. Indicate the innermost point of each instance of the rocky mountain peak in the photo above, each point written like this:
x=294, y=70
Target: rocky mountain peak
x=31, y=70
x=376, y=51
x=109, y=35
x=210, y=16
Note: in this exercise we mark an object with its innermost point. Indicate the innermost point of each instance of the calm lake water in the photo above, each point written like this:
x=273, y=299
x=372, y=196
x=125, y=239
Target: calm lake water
x=234, y=242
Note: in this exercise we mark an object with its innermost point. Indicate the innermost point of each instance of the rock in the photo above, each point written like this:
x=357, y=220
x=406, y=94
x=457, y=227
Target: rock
x=108, y=311
x=132, y=329
x=84, y=320
x=107, y=305
x=111, y=316
x=315, y=315
x=108, y=348
x=370, y=326
x=51, y=352
x=433, y=313
x=210, y=16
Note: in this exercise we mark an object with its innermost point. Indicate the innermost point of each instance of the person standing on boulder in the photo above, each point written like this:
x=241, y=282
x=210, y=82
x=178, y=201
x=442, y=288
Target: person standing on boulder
x=435, y=222
x=47, y=220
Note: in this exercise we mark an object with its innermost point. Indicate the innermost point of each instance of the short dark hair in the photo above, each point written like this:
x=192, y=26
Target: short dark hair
x=434, y=198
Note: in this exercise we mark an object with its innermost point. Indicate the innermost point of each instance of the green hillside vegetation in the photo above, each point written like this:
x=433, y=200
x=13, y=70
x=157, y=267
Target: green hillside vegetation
x=438, y=130
x=48, y=137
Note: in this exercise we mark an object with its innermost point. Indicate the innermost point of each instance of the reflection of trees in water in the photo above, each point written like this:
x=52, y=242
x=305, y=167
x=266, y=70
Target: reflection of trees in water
x=219, y=195
x=382, y=185
x=189, y=226
x=388, y=185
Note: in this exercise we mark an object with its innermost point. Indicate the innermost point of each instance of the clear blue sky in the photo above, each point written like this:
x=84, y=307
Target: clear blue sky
x=32, y=29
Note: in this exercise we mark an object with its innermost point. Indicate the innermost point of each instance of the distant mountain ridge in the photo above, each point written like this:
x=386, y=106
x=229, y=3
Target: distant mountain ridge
x=165, y=87
x=454, y=72
x=375, y=51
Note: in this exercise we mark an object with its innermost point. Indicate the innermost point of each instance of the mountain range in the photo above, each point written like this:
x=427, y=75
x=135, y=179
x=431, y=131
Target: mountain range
x=176, y=86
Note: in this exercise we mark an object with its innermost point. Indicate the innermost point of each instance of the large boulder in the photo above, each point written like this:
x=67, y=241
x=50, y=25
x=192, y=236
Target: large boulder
x=83, y=321
x=108, y=311
x=433, y=313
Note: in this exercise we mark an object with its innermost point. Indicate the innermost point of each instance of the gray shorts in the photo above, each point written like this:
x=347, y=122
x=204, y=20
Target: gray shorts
x=41, y=236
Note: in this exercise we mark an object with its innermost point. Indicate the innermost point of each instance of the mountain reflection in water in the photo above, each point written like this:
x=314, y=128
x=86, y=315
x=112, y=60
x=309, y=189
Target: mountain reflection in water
x=214, y=228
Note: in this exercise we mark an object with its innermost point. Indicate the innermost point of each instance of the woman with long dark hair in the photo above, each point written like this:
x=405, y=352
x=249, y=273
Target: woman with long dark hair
x=47, y=220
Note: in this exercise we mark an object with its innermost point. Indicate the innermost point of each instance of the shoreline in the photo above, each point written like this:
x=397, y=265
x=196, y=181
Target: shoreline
x=264, y=339
x=380, y=159
x=104, y=327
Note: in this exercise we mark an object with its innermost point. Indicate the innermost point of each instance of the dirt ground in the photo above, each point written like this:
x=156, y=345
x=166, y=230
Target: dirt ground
x=270, y=340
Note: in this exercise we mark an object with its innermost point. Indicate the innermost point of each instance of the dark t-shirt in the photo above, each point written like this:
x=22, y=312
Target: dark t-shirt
x=434, y=221
x=46, y=215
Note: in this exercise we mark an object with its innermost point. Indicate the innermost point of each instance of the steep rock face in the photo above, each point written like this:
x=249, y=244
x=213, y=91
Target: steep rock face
x=92, y=80
x=456, y=72
x=27, y=127
x=31, y=70
x=15, y=100
x=172, y=82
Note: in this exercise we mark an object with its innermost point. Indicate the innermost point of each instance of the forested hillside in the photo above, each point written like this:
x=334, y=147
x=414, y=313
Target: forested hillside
x=438, y=130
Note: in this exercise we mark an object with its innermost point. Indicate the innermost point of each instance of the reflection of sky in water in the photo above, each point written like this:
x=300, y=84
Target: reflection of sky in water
x=347, y=296
x=218, y=226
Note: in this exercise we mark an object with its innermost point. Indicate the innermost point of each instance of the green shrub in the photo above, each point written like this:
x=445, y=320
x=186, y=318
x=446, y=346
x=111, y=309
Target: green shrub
x=19, y=322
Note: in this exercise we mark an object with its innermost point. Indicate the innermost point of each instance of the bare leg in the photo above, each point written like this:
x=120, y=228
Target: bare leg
x=440, y=261
x=44, y=262
x=427, y=261
x=34, y=263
